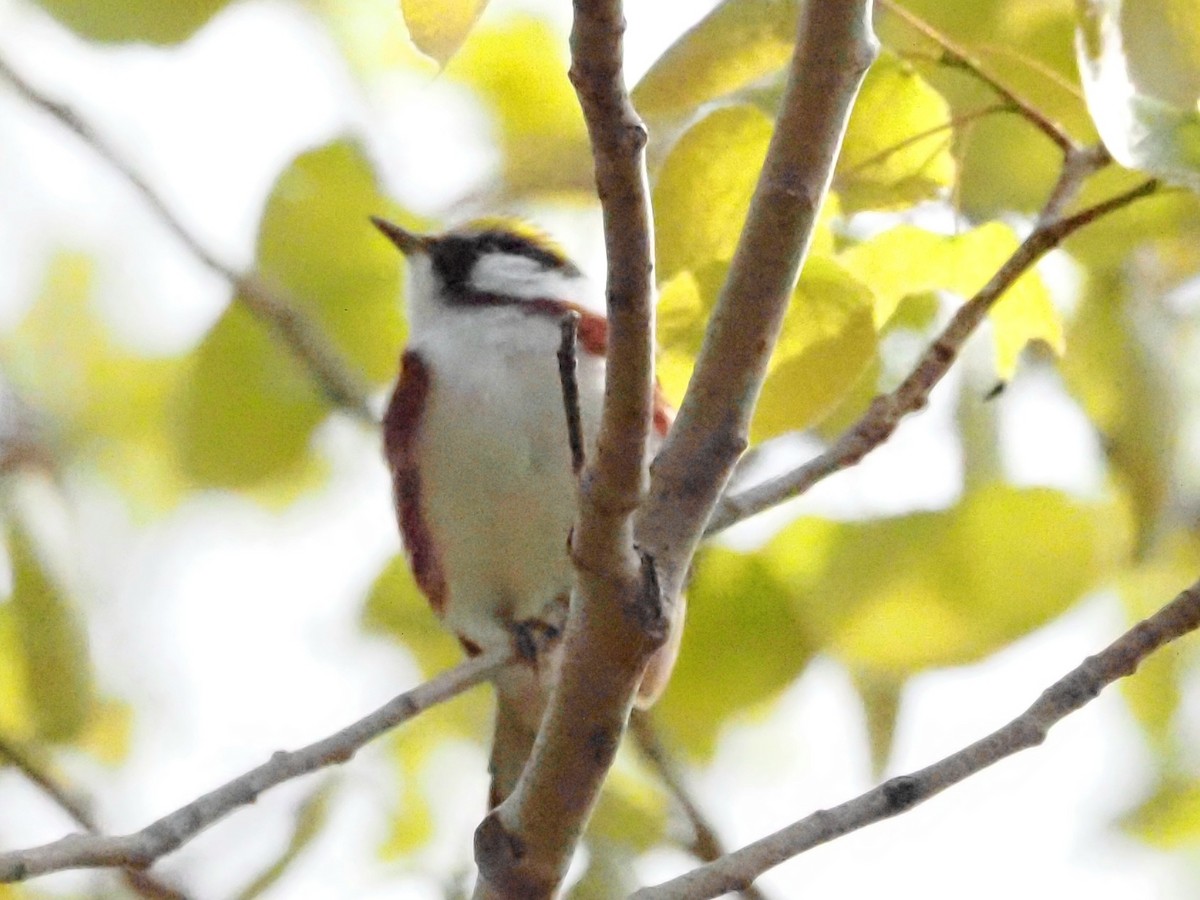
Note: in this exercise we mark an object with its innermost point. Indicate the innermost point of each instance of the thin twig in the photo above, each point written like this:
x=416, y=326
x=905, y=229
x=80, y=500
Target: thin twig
x=140, y=849
x=959, y=57
x=886, y=411
x=897, y=795
x=568, y=377
x=341, y=386
x=706, y=844
x=143, y=884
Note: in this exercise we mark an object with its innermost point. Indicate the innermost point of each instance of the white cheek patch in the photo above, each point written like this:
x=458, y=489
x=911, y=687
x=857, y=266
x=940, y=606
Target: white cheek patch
x=512, y=275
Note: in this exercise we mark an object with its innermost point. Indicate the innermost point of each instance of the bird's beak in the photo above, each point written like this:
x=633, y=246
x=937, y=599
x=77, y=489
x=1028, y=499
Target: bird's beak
x=408, y=242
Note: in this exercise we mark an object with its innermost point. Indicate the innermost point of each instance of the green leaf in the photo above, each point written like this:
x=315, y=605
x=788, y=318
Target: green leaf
x=396, y=607
x=439, y=27
x=827, y=342
x=897, y=149
x=704, y=188
x=310, y=820
x=149, y=21
x=247, y=412
x=907, y=260
x=935, y=589
x=1141, y=75
x=732, y=595
x=57, y=672
x=540, y=127
x=1170, y=817
x=737, y=43
x=316, y=241
x=880, y=693
x=16, y=717
x=104, y=405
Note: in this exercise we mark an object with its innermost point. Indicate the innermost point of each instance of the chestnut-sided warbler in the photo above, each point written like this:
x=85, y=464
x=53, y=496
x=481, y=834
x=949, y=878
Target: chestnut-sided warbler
x=477, y=441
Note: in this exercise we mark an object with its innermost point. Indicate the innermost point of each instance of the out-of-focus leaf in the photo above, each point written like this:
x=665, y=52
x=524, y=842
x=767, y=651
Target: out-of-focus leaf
x=704, y=188
x=396, y=607
x=439, y=27
x=109, y=730
x=15, y=715
x=372, y=38
x=743, y=644
x=936, y=589
x=1141, y=75
x=1125, y=389
x=58, y=678
x=102, y=404
x=310, y=819
x=631, y=812
x=737, y=43
x=907, y=260
x=315, y=240
x=1170, y=817
x=520, y=70
x=827, y=342
x=897, y=150
x=247, y=412
x=880, y=694
x=150, y=21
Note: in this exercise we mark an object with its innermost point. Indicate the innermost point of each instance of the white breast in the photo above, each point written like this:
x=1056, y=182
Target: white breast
x=497, y=488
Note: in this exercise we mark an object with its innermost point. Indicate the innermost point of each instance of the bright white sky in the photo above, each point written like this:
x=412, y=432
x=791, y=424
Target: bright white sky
x=187, y=610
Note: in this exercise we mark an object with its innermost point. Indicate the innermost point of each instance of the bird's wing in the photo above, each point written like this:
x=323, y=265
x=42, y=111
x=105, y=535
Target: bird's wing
x=401, y=425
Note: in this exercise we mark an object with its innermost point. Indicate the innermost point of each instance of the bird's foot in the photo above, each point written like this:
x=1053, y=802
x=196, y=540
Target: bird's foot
x=532, y=636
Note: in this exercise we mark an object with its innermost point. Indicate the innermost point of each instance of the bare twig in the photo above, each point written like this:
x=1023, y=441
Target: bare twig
x=568, y=377
x=834, y=48
x=959, y=57
x=617, y=620
x=142, y=848
x=900, y=794
x=280, y=314
x=706, y=844
x=141, y=883
x=886, y=411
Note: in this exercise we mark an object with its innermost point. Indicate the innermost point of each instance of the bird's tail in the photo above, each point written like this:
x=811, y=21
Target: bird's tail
x=512, y=743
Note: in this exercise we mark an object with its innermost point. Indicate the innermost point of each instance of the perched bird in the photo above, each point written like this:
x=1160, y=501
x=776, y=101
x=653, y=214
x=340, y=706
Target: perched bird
x=477, y=441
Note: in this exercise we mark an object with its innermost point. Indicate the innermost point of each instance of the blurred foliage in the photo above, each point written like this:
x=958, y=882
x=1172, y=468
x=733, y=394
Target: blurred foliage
x=938, y=180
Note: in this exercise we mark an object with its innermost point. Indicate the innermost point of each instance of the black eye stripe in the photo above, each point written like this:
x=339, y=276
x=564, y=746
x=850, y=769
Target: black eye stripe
x=454, y=256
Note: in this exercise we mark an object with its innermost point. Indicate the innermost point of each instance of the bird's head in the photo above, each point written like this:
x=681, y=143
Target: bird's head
x=486, y=262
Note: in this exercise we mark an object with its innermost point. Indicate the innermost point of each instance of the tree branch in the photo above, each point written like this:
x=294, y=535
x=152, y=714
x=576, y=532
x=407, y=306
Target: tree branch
x=141, y=883
x=568, y=378
x=900, y=794
x=341, y=386
x=834, y=48
x=617, y=618
x=142, y=848
x=886, y=411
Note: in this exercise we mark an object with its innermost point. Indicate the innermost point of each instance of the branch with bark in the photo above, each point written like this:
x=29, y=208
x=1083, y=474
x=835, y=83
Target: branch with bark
x=142, y=848
x=898, y=795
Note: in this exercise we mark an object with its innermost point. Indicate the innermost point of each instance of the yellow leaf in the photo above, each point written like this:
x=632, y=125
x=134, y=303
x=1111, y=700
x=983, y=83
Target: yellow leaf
x=897, y=149
x=704, y=188
x=58, y=679
x=907, y=260
x=519, y=69
x=396, y=607
x=108, y=731
x=827, y=343
x=737, y=43
x=1170, y=817
x=151, y=21
x=439, y=27
x=316, y=241
x=16, y=718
